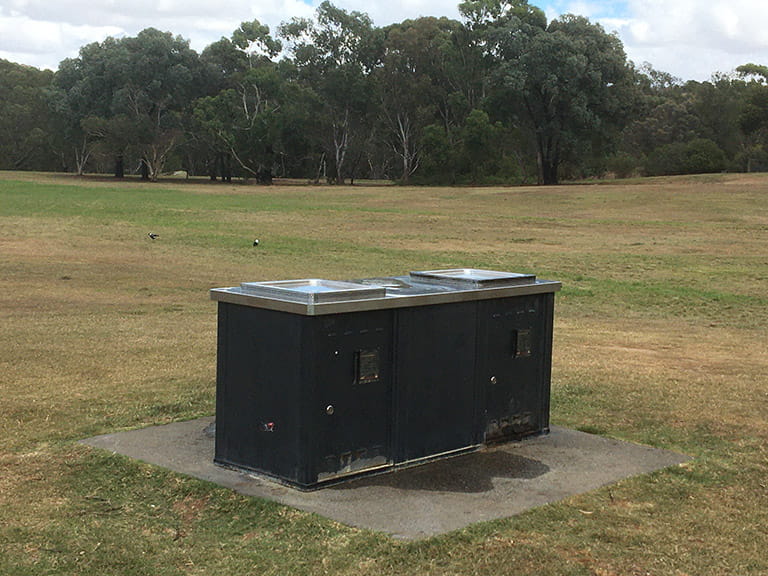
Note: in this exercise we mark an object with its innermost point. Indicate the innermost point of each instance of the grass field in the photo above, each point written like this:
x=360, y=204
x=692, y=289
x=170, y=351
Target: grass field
x=660, y=338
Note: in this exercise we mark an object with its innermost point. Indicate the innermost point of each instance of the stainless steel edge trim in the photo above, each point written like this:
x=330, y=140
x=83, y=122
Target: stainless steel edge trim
x=236, y=295
x=328, y=476
x=447, y=454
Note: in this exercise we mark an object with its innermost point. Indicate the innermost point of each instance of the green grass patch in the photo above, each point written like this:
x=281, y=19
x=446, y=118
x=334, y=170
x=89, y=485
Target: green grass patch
x=660, y=338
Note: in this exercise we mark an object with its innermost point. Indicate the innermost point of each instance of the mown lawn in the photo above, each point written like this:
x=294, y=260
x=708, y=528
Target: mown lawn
x=660, y=338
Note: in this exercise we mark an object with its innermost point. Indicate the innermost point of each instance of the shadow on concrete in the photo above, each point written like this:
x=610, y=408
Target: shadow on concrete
x=423, y=501
x=466, y=474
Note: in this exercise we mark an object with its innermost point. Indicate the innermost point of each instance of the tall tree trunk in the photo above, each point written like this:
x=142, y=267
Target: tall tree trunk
x=119, y=167
x=82, y=155
x=353, y=169
x=264, y=175
x=321, y=167
x=219, y=166
x=211, y=166
x=407, y=153
x=550, y=174
x=225, y=165
x=340, y=143
x=548, y=160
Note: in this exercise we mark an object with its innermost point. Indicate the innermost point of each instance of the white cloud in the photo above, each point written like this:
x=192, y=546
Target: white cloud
x=45, y=43
x=693, y=39
x=689, y=38
x=388, y=12
x=42, y=33
x=588, y=9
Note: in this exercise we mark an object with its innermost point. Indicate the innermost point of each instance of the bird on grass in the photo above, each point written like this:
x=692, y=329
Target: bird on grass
x=152, y=235
x=256, y=242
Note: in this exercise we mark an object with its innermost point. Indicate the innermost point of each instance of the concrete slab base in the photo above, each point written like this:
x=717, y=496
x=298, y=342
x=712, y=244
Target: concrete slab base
x=423, y=501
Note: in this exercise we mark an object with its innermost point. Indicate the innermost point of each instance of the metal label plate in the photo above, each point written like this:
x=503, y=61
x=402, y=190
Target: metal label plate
x=367, y=366
x=523, y=343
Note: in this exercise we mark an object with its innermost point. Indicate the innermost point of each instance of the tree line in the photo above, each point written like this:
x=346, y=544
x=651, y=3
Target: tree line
x=501, y=96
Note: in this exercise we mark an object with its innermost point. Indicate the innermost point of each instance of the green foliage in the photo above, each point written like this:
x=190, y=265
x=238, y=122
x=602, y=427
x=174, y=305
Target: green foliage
x=727, y=111
x=622, y=165
x=422, y=82
x=667, y=123
x=149, y=79
x=698, y=156
x=480, y=140
x=754, y=70
x=334, y=97
x=253, y=38
x=754, y=114
x=438, y=159
x=491, y=13
x=26, y=135
x=334, y=57
x=571, y=80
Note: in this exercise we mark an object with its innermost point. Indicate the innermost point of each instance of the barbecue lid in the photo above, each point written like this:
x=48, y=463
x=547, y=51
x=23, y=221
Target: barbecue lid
x=473, y=277
x=313, y=290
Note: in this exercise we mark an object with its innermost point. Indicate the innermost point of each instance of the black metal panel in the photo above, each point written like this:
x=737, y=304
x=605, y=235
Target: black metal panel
x=514, y=348
x=435, y=380
x=301, y=398
x=547, y=327
x=351, y=413
x=258, y=414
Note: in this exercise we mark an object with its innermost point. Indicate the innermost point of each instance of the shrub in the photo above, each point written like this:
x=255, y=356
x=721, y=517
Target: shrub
x=698, y=156
x=622, y=165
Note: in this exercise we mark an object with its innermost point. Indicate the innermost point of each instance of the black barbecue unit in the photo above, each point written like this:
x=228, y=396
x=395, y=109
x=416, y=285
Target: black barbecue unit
x=318, y=380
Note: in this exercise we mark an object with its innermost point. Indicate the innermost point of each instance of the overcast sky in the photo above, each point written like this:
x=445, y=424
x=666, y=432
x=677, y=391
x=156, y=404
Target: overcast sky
x=691, y=39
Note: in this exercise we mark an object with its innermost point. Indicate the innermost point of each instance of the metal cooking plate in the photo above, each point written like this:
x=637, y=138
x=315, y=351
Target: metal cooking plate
x=313, y=290
x=473, y=277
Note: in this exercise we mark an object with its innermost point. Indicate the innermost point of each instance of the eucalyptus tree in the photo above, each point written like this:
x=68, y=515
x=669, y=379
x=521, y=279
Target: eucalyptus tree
x=236, y=121
x=753, y=116
x=411, y=92
x=144, y=82
x=81, y=96
x=335, y=55
x=673, y=120
x=569, y=78
x=718, y=104
x=223, y=61
x=26, y=130
x=254, y=40
x=162, y=76
x=431, y=76
x=261, y=114
x=257, y=127
x=676, y=114
x=585, y=98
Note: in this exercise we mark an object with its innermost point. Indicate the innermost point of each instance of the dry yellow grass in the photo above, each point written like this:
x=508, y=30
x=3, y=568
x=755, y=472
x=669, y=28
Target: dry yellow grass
x=660, y=338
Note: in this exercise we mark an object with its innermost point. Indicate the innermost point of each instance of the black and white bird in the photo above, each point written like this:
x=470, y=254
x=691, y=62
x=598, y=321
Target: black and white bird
x=152, y=235
x=256, y=242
